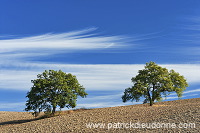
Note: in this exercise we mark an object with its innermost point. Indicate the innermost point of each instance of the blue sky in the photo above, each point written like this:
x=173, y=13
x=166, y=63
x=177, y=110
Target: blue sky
x=104, y=43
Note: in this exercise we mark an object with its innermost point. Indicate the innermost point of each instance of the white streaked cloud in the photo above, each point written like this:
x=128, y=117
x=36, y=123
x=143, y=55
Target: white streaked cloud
x=91, y=102
x=14, y=79
x=188, y=91
x=65, y=42
x=115, y=100
x=191, y=37
x=176, y=97
x=194, y=23
x=189, y=71
x=13, y=106
x=100, y=104
x=17, y=74
x=193, y=50
x=92, y=77
x=192, y=91
x=104, y=101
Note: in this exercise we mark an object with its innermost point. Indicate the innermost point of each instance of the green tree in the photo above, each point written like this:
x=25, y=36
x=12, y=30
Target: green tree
x=153, y=82
x=53, y=89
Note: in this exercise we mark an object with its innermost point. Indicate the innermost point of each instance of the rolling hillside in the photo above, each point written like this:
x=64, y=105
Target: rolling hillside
x=174, y=116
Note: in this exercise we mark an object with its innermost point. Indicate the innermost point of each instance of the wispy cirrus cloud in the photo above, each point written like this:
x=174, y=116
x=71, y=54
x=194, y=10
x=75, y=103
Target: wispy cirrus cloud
x=192, y=91
x=104, y=101
x=16, y=106
x=93, y=77
x=89, y=102
x=17, y=74
x=194, y=23
x=63, y=42
x=191, y=37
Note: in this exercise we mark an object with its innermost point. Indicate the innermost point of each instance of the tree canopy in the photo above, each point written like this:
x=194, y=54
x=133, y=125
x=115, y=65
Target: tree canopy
x=54, y=89
x=153, y=82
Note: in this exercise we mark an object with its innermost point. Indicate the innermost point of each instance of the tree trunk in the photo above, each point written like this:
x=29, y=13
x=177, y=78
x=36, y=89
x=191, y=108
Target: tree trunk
x=150, y=98
x=153, y=96
x=151, y=101
x=53, y=111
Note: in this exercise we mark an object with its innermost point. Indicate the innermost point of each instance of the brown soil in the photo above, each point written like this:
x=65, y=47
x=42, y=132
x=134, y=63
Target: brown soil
x=169, y=114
